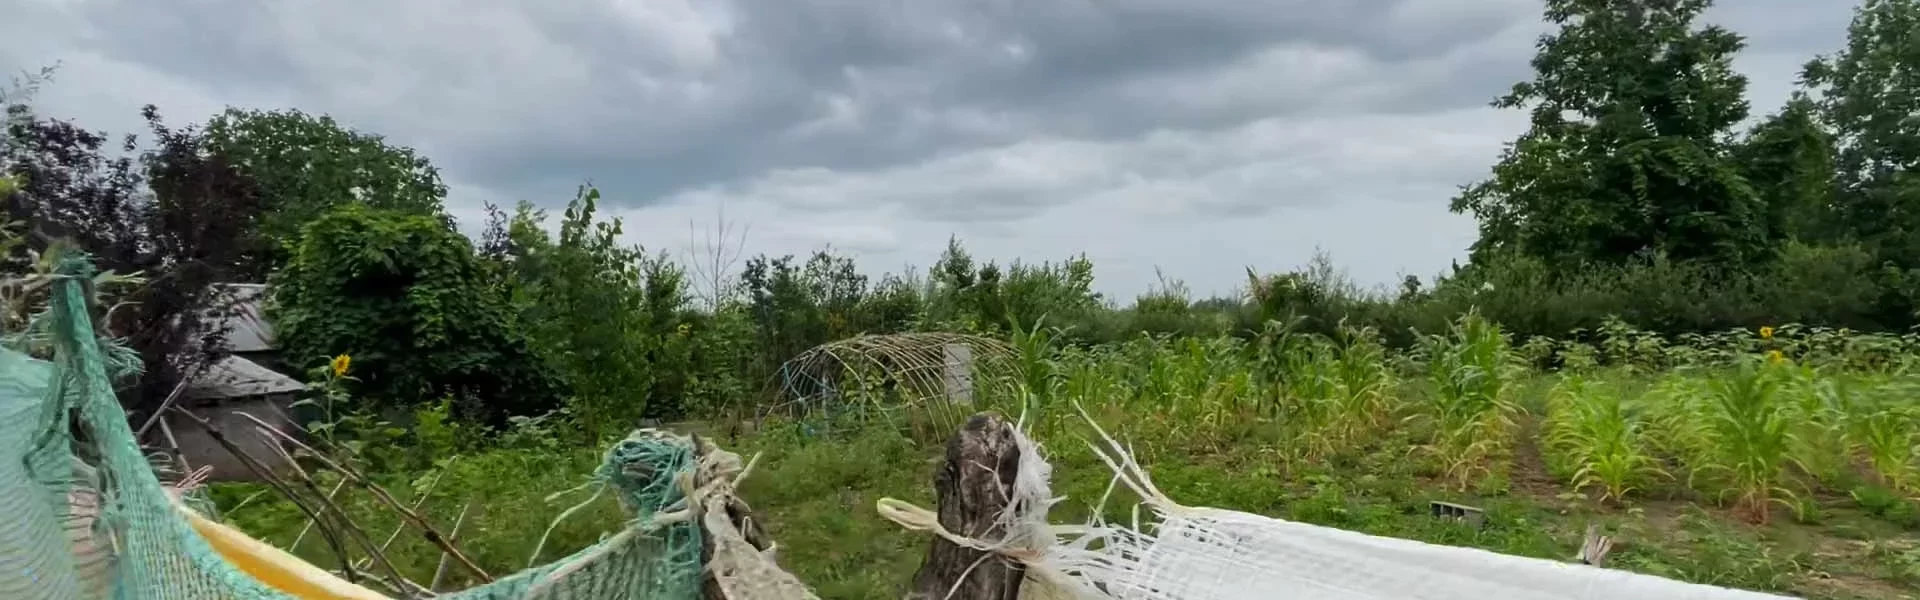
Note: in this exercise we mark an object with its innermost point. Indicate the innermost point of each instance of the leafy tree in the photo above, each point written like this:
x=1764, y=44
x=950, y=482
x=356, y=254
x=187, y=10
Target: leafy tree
x=987, y=297
x=305, y=165
x=604, y=315
x=1788, y=158
x=418, y=311
x=173, y=213
x=794, y=307
x=1869, y=93
x=1629, y=104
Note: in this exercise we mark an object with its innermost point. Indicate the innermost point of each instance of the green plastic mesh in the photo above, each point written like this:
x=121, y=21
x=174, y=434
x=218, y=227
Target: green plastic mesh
x=87, y=518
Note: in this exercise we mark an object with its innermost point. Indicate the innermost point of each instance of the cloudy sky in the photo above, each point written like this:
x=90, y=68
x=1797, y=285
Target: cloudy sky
x=1192, y=137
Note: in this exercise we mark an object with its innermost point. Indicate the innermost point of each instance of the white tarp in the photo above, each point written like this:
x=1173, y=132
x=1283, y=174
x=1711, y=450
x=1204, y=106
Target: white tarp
x=1193, y=553
x=1212, y=554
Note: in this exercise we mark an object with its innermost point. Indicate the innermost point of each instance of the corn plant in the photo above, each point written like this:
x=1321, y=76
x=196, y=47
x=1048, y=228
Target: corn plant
x=1364, y=384
x=1594, y=439
x=1742, y=435
x=1471, y=410
x=1034, y=358
x=1888, y=430
x=1823, y=408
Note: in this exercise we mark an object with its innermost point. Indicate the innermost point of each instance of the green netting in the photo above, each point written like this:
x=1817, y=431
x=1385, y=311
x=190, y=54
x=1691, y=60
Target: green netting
x=87, y=517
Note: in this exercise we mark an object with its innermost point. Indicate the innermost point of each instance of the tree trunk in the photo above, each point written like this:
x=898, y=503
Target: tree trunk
x=971, y=490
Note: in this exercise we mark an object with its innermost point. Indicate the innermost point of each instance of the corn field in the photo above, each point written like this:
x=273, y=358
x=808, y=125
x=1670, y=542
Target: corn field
x=1758, y=422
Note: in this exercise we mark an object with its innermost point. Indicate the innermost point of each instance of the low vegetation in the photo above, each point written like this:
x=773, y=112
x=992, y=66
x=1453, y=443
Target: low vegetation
x=1743, y=466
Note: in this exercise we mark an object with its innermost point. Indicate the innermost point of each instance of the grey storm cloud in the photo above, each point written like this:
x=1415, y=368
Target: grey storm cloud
x=885, y=126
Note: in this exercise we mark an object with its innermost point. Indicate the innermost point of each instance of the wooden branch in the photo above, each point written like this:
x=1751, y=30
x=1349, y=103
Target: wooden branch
x=397, y=582
x=971, y=489
x=427, y=530
x=266, y=475
x=453, y=535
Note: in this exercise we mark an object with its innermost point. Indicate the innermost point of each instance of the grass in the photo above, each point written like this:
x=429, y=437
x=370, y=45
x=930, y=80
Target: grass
x=816, y=498
x=1758, y=474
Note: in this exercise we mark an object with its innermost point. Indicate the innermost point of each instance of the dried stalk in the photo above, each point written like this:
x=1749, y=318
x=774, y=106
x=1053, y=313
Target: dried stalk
x=173, y=396
x=398, y=582
x=309, y=526
x=266, y=475
x=427, y=530
x=417, y=503
x=440, y=571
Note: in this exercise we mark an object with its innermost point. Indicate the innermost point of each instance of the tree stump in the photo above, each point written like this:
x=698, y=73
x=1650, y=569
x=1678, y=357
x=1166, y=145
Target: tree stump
x=971, y=489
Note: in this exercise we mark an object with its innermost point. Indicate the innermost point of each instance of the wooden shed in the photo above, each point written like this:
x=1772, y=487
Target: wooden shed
x=237, y=384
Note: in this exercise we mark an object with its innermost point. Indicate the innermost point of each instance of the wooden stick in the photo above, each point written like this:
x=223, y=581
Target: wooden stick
x=427, y=530
x=417, y=503
x=440, y=571
x=309, y=526
x=266, y=475
x=398, y=582
x=172, y=397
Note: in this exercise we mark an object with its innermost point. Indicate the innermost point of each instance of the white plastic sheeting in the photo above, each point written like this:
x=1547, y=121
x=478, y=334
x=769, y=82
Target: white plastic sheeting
x=1192, y=553
x=1212, y=554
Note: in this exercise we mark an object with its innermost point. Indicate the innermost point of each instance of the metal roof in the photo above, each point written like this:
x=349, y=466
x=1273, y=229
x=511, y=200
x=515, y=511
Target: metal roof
x=235, y=377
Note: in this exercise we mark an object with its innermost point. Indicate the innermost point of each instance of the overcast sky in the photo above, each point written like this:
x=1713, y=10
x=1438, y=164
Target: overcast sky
x=1196, y=136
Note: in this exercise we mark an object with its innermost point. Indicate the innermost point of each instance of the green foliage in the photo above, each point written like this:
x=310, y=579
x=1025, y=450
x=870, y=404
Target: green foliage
x=417, y=310
x=1789, y=161
x=1186, y=406
x=1473, y=407
x=1737, y=431
x=1594, y=439
x=966, y=295
x=795, y=307
x=1629, y=104
x=305, y=165
x=605, y=316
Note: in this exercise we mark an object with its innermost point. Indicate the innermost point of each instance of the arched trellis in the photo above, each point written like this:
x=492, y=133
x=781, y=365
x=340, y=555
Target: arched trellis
x=929, y=373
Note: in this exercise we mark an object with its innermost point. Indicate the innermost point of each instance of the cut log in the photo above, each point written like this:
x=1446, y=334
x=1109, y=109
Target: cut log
x=971, y=489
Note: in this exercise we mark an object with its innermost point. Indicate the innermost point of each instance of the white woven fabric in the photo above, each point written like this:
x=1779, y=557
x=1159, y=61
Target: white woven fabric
x=1194, y=553
x=1213, y=554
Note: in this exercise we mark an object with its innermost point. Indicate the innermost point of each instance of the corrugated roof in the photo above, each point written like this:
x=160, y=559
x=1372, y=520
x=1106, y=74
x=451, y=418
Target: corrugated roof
x=235, y=377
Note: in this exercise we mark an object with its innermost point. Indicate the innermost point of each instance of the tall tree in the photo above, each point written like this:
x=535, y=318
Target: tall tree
x=1630, y=102
x=172, y=213
x=1788, y=158
x=418, y=311
x=602, y=313
x=1869, y=93
x=305, y=165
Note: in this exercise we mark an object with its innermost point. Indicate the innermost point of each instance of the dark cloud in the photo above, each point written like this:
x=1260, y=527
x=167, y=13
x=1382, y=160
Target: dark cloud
x=884, y=126
x=666, y=96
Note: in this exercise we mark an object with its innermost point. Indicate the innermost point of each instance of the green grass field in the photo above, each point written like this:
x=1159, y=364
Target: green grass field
x=1789, y=472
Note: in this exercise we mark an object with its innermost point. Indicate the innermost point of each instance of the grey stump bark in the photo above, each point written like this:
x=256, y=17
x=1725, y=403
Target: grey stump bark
x=971, y=489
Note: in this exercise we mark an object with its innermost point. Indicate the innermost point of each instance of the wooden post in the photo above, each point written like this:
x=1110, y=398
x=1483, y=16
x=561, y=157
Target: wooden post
x=971, y=489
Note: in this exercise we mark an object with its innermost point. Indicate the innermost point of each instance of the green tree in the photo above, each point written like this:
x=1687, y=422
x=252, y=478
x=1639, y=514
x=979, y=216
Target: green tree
x=602, y=313
x=417, y=310
x=1869, y=93
x=1629, y=104
x=985, y=296
x=1788, y=158
x=305, y=165
x=794, y=307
